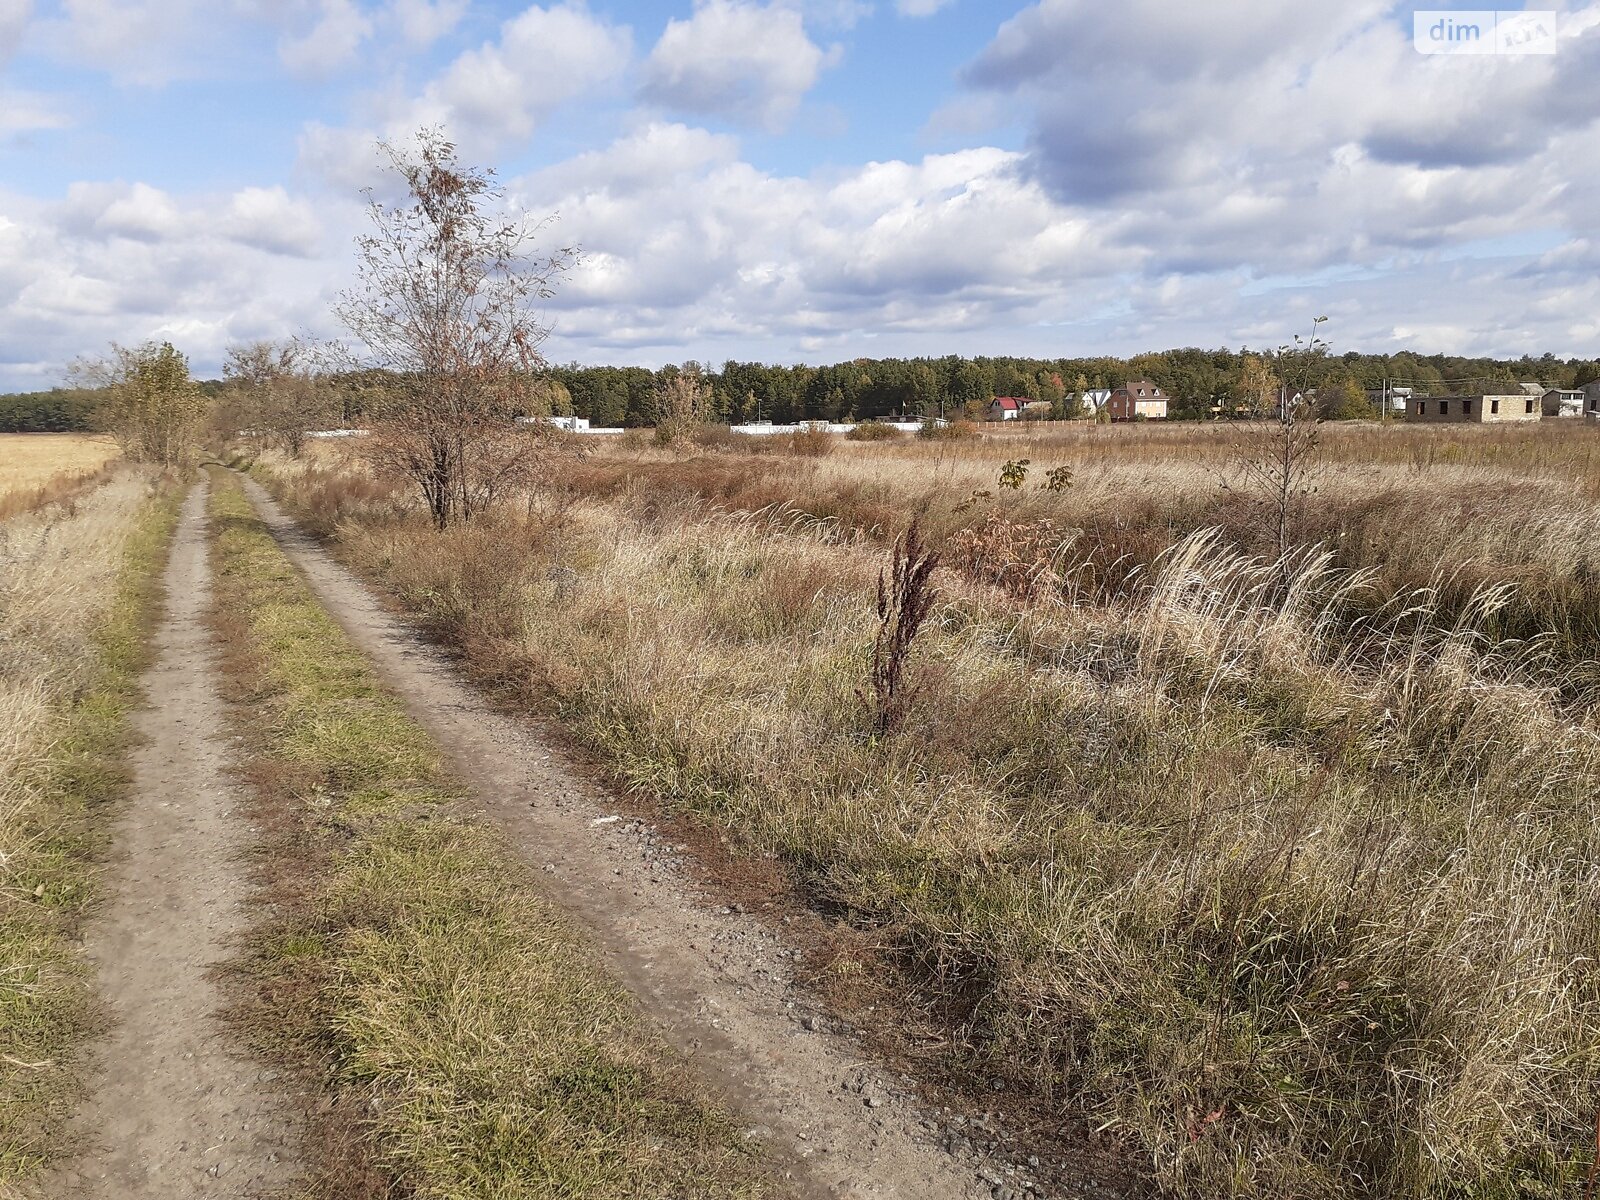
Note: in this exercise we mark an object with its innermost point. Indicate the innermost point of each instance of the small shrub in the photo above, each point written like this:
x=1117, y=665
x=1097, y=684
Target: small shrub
x=810, y=443
x=683, y=404
x=955, y=431
x=873, y=431
x=1014, y=474
x=1020, y=558
x=716, y=437
x=978, y=497
x=327, y=498
x=1057, y=479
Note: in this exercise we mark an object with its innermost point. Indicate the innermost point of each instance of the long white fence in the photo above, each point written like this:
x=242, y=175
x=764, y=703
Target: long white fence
x=767, y=428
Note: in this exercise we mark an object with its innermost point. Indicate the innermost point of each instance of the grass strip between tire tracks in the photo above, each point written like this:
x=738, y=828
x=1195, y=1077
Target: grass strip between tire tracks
x=469, y=1044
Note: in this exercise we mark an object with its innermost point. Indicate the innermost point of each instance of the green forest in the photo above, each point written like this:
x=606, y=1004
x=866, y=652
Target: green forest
x=63, y=410
x=1197, y=380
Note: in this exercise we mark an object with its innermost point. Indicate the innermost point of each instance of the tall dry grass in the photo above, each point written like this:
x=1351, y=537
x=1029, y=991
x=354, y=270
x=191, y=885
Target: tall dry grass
x=1291, y=871
x=59, y=571
x=75, y=585
x=1449, y=509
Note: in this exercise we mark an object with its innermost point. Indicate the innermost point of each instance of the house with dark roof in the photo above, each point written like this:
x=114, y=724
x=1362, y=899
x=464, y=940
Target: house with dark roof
x=1138, y=399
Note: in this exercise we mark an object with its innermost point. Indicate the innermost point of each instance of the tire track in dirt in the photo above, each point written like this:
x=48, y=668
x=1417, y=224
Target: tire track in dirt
x=717, y=981
x=174, y=1108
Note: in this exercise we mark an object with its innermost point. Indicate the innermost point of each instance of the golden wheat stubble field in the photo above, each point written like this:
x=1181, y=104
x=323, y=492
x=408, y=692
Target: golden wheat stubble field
x=33, y=461
x=1286, y=871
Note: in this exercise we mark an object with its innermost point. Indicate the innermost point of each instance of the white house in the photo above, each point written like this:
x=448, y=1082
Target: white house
x=1563, y=402
x=570, y=424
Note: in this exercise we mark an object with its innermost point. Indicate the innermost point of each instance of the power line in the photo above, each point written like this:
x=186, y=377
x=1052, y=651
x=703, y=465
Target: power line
x=1405, y=381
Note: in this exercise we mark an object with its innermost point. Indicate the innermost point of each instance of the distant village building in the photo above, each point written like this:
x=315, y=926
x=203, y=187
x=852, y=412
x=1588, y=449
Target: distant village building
x=1291, y=399
x=1037, y=410
x=1563, y=402
x=1135, y=399
x=1005, y=408
x=1591, y=400
x=570, y=424
x=1398, y=396
x=1481, y=410
x=1094, y=399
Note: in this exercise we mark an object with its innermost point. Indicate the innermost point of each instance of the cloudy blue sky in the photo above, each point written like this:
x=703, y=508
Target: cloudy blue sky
x=812, y=179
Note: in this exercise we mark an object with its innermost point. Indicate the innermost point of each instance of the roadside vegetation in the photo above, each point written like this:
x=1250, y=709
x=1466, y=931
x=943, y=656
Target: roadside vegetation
x=147, y=402
x=1282, y=866
x=78, y=588
x=469, y=1045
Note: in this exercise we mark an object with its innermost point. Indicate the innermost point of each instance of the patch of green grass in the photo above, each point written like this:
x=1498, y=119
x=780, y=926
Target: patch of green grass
x=48, y=1008
x=410, y=957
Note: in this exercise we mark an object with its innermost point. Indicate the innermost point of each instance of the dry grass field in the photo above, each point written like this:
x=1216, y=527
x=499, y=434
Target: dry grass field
x=1284, y=869
x=37, y=467
x=76, y=588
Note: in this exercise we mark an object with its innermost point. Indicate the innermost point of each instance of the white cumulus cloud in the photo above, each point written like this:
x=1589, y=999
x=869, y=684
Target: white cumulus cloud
x=270, y=219
x=334, y=38
x=501, y=91
x=145, y=42
x=744, y=62
x=423, y=22
x=137, y=212
x=125, y=262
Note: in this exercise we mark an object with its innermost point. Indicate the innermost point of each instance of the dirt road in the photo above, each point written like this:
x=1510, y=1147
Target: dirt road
x=174, y=1111
x=717, y=981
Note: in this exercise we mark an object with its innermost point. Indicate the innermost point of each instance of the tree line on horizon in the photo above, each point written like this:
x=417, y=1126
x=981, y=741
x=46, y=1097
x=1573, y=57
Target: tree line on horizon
x=1198, y=381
